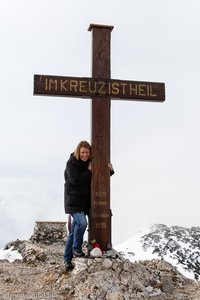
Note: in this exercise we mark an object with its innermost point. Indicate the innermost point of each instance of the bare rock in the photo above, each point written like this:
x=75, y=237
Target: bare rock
x=41, y=274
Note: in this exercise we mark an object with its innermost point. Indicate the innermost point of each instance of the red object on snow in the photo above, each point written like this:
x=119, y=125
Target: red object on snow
x=95, y=244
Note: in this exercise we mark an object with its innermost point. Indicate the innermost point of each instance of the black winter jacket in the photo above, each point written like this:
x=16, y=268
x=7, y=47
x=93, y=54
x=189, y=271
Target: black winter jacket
x=77, y=186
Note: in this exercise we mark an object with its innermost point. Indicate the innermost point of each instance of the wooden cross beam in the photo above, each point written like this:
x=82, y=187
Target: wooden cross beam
x=101, y=88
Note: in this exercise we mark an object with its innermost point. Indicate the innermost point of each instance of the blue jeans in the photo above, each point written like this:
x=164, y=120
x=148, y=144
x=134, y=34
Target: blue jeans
x=75, y=237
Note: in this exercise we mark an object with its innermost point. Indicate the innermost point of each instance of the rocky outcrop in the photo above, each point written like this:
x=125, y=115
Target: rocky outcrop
x=41, y=274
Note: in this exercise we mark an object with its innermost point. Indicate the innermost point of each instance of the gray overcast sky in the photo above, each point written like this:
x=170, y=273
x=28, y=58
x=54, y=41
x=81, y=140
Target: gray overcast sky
x=154, y=146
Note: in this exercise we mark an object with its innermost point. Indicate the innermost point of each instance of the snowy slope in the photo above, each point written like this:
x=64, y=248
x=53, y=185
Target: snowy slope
x=179, y=246
x=10, y=254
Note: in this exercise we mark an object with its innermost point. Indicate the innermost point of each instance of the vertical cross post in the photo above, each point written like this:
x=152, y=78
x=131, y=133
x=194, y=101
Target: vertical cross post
x=100, y=216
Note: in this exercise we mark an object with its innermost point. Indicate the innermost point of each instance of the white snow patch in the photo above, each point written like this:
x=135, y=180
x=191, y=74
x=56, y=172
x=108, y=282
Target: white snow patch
x=10, y=254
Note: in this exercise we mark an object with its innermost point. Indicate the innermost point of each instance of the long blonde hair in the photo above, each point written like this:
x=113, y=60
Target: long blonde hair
x=84, y=144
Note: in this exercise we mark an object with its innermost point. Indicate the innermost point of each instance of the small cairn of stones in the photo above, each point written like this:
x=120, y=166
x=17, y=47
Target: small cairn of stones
x=49, y=232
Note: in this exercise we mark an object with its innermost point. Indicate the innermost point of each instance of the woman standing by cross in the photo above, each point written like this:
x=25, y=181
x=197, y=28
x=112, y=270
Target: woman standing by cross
x=77, y=199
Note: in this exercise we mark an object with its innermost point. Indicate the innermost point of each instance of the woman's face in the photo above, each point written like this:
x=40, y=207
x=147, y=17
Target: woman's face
x=84, y=153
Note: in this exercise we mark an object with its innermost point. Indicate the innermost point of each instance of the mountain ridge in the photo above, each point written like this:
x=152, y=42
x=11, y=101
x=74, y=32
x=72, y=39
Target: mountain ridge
x=178, y=245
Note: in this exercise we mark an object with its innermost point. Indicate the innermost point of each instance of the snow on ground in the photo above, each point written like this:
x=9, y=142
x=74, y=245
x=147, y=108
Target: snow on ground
x=10, y=254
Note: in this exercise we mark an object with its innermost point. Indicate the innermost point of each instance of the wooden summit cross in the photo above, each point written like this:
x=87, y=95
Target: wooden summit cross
x=101, y=88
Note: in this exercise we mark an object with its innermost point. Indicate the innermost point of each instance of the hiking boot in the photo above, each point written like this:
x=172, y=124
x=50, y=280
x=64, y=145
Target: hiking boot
x=79, y=253
x=69, y=266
